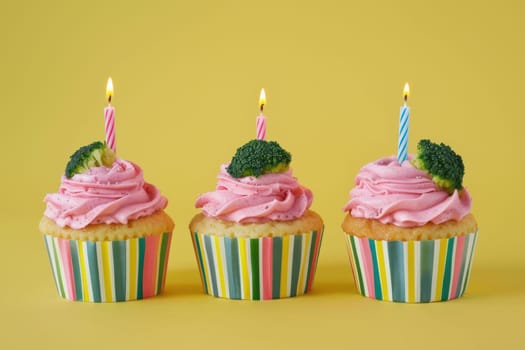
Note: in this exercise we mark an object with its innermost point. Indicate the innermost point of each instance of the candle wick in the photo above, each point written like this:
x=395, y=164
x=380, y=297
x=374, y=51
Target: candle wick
x=262, y=107
x=109, y=99
x=405, y=98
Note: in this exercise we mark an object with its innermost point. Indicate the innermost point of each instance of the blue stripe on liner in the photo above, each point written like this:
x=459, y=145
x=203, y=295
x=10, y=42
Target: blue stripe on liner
x=73, y=247
x=91, y=248
x=397, y=270
x=119, y=269
x=427, y=268
x=232, y=265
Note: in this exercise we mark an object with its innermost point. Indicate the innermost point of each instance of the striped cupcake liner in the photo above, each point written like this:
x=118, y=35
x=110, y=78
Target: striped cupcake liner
x=257, y=268
x=109, y=271
x=412, y=271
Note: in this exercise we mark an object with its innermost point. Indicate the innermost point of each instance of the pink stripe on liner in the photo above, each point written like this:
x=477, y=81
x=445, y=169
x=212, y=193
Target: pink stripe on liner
x=69, y=280
x=314, y=261
x=458, y=256
x=267, y=266
x=166, y=262
x=150, y=262
x=367, y=266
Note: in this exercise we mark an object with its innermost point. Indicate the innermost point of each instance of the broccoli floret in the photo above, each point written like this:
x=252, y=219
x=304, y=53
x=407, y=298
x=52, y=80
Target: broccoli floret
x=92, y=155
x=442, y=163
x=259, y=157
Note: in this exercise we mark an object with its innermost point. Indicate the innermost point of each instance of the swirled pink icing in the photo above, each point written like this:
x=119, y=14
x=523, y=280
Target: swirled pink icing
x=105, y=195
x=268, y=197
x=403, y=195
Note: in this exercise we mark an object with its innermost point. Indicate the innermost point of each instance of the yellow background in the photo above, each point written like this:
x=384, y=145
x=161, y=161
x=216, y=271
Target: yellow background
x=187, y=76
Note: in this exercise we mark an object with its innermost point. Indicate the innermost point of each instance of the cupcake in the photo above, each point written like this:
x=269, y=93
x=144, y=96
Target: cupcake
x=256, y=238
x=105, y=230
x=409, y=231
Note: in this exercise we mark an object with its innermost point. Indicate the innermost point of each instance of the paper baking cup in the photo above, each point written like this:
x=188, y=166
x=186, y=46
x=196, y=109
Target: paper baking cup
x=108, y=271
x=412, y=271
x=257, y=268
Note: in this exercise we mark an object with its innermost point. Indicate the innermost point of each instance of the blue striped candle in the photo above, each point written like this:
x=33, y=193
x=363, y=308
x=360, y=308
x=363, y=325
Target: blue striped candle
x=404, y=121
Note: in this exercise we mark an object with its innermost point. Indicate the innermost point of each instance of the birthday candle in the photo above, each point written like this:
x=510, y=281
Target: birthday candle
x=261, y=119
x=404, y=121
x=109, y=118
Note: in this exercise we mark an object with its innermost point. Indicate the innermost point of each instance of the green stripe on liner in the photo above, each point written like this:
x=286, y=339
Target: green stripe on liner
x=91, y=248
x=397, y=270
x=377, y=280
x=310, y=260
x=276, y=266
x=427, y=270
x=462, y=272
x=211, y=265
x=296, y=263
x=49, y=249
x=118, y=249
x=357, y=266
x=140, y=269
x=200, y=250
x=162, y=260
x=254, y=253
x=73, y=247
x=235, y=284
x=448, y=268
x=57, y=264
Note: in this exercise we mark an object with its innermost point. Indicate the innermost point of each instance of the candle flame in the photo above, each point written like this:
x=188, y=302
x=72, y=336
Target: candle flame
x=109, y=89
x=262, y=99
x=406, y=92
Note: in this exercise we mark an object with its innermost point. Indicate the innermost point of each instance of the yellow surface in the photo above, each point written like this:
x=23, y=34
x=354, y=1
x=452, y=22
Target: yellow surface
x=187, y=76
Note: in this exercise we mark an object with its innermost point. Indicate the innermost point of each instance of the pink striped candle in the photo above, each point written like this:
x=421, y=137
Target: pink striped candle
x=109, y=118
x=261, y=119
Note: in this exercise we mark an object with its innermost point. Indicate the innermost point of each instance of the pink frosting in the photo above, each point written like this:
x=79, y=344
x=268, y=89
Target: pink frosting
x=256, y=199
x=105, y=195
x=402, y=195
